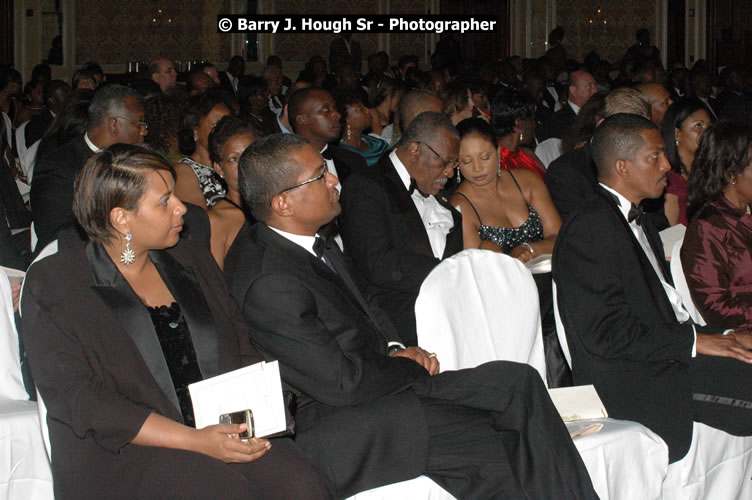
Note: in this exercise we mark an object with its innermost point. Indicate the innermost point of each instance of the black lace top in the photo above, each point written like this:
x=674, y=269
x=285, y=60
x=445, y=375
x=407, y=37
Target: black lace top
x=179, y=354
x=509, y=238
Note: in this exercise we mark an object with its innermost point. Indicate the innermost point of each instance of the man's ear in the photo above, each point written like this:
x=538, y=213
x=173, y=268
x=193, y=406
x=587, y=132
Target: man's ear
x=283, y=206
x=621, y=168
x=112, y=126
x=413, y=150
x=301, y=120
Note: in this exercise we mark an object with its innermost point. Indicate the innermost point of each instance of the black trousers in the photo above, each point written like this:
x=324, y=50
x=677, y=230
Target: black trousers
x=282, y=473
x=722, y=394
x=494, y=433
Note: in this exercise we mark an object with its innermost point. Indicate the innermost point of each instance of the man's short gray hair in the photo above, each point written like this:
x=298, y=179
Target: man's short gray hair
x=426, y=126
x=107, y=100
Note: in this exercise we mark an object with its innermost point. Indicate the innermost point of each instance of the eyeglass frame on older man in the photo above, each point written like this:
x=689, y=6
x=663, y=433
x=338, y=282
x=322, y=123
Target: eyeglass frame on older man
x=452, y=164
x=138, y=123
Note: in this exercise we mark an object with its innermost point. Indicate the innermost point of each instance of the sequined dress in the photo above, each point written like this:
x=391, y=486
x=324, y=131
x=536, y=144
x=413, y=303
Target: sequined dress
x=508, y=238
x=212, y=185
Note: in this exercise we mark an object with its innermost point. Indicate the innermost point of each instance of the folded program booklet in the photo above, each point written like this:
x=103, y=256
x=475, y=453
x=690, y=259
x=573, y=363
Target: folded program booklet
x=256, y=387
x=580, y=402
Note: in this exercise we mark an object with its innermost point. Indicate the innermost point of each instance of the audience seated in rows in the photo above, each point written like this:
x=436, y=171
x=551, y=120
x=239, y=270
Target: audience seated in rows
x=625, y=325
x=385, y=416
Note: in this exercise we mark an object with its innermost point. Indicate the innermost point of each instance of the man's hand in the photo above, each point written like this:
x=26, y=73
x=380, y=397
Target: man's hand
x=725, y=346
x=743, y=337
x=427, y=360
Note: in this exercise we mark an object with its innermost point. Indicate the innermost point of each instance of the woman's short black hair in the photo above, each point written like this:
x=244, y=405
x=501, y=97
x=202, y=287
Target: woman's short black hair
x=725, y=151
x=196, y=107
x=347, y=97
x=675, y=116
x=476, y=126
x=227, y=127
x=508, y=105
x=115, y=177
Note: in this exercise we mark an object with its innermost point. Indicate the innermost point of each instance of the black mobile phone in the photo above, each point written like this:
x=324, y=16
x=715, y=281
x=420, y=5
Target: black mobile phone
x=240, y=417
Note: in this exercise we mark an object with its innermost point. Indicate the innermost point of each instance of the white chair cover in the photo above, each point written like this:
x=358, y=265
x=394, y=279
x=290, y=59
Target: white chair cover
x=680, y=283
x=24, y=466
x=718, y=465
x=420, y=488
x=626, y=460
x=11, y=381
x=480, y=306
x=548, y=150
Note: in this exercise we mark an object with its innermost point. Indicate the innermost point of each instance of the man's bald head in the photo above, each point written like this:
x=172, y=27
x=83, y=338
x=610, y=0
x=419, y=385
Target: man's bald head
x=416, y=102
x=581, y=87
x=659, y=99
x=162, y=71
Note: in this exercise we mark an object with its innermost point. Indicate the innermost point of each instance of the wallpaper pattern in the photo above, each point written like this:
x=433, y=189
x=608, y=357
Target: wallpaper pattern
x=613, y=26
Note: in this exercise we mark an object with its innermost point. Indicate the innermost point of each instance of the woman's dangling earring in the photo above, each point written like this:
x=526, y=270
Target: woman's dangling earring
x=459, y=175
x=498, y=172
x=348, y=133
x=677, y=143
x=128, y=256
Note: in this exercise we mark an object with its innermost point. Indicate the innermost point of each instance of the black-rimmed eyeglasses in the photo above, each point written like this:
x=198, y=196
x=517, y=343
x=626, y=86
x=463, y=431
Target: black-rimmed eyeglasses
x=314, y=179
x=451, y=164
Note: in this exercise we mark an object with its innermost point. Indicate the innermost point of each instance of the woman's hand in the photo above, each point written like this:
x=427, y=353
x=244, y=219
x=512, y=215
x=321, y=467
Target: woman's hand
x=522, y=253
x=221, y=441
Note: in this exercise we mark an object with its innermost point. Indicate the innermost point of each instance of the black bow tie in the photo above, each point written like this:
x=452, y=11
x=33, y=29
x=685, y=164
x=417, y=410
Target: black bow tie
x=318, y=247
x=636, y=213
x=327, y=153
x=414, y=187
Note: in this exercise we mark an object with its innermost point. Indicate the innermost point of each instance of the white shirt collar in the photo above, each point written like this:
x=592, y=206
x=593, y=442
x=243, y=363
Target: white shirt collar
x=624, y=204
x=282, y=128
x=91, y=145
x=301, y=240
x=574, y=107
x=401, y=169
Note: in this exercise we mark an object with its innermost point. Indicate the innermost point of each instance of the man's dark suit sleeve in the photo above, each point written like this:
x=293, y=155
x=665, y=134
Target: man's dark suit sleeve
x=568, y=187
x=369, y=238
x=284, y=320
x=590, y=272
x=51, y=200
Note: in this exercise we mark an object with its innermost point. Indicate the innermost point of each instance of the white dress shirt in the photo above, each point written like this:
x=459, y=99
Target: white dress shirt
x=682, y=316
x=437, y=219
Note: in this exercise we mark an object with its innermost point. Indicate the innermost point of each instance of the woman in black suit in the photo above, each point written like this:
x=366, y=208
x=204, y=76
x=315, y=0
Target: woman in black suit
x=116, y=331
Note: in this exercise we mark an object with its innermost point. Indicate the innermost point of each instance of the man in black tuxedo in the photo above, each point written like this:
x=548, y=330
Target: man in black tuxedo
x=55, y=94
x=115, y=116
x=581, y=87
x=626, y=328
x=395, y=225
x=371, y=412
x=313, y=114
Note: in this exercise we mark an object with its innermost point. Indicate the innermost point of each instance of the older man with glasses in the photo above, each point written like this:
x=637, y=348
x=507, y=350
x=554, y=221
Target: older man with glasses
x=395, y=224
x=116, y=115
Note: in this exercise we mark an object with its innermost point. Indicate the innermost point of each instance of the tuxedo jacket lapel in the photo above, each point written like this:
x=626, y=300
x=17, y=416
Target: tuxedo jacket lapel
x=342, y=282
x=648, y=272
x=187, y=292
x=112, y=288
x=416, y=231
x=454, y=241
x=115, y=291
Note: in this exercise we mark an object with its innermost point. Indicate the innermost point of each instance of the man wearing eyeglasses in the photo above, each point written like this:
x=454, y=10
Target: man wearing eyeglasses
x=369, y=414
x=116, y=115
x=395, y=224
